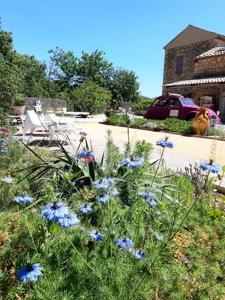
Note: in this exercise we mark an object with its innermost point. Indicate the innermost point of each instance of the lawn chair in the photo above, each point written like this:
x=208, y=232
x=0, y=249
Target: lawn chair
x=32, y=122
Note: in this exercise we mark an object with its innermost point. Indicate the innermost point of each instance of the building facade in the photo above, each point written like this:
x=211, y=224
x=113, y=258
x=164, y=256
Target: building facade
x=194, y=66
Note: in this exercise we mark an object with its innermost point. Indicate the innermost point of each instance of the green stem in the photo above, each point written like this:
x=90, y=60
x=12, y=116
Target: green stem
x=128, y=139
x=157, y=169
x=30, y=233
x=83, y=259
x=206, y=180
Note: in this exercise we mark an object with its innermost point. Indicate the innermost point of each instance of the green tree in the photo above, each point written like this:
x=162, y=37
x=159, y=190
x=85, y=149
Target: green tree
x=94, y=67
x=69, y=71
x=6, y=45
x=32, y=75
x=9, y=83
x=9, y=77
x=124, y=87
x=62, y=69
x=90, y=97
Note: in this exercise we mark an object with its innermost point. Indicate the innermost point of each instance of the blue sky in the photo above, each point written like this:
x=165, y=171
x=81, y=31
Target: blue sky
x=132, y=33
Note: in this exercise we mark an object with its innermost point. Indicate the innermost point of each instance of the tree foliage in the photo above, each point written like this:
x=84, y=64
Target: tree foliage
x=9, y=77
x=65, y=76
x=90, y=97
x=32, y=75
x=124, y=87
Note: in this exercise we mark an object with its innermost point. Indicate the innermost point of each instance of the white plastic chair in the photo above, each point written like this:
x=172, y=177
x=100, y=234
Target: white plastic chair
x=32, y=122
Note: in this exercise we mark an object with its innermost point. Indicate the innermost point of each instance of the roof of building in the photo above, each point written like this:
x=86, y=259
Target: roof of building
x=210, y=80
x=212, y=52
x=190, y=35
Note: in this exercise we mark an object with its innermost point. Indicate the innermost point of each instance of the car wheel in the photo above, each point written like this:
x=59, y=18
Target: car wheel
x=190, y=117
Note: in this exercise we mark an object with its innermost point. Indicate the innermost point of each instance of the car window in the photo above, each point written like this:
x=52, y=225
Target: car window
x=188, y=102
x=174, y=102
x=163, y=102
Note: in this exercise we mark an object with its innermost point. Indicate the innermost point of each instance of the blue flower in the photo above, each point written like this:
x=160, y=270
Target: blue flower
x=124, y=243
x=159, y=236
x=30, y=273
x=139, y=254
x=8, y=179
x=85, y=209
x=23, y=199
x=3, y=151
x=113, y=192
x=210, y=167
x=146, y=195
x=164, y=143
x=151, y=203
x=96, y=235
x=54, y=211
x=69, y=220
x=3, y=143
x=85, y=154
x=103, y=198
x=133, y=163
x=103, y=184
x=15, y=138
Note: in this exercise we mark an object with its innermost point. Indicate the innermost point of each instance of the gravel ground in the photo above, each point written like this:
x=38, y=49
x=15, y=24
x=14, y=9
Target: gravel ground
x=186, y=149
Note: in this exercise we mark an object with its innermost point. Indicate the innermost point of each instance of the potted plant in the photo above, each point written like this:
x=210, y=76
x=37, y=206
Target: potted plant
x=19, y=105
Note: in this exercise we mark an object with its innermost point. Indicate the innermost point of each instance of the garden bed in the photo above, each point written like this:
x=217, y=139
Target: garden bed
x=171, y=125
x=122, y=228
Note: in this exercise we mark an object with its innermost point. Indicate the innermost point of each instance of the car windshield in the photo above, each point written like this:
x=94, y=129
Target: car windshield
x=187, y=101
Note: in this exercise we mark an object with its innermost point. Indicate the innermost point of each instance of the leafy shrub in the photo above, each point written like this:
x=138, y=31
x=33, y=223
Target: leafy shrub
x=138, y=122
x=171, y=124
x=143, y=104
x=118, y=119
x=216, y=131
x=176, y=125
x=90, y=97
x=19, y=100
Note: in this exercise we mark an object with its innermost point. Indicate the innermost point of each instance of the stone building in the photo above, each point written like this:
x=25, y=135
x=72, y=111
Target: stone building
x=194, y=66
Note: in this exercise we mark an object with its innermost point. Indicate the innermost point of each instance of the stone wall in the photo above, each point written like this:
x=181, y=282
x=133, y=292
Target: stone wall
x=210, y=66
x=190, y=52
x=197, y=91
x=46, y=103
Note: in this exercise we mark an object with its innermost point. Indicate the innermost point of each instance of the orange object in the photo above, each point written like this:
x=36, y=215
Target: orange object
x=201, y=121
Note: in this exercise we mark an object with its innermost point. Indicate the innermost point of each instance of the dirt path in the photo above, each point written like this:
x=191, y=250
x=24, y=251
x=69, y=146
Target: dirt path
x=186, y=149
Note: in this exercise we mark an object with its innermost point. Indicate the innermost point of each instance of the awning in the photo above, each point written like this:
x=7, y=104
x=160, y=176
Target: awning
x=197, y=81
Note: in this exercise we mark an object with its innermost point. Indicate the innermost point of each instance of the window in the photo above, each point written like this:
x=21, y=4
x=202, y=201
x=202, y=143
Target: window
x=161, y=102
x=174, y=103
x=179, y=64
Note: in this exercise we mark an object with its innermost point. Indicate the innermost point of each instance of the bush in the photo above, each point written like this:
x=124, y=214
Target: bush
x=142, y=104
x=216, y=131
x=173, y=125
x=138, y=122
x=19, y=100
x=176, y=125
x=90, y=97
x=118, y=119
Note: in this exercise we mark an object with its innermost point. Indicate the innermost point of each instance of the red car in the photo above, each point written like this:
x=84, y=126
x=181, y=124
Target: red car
x=175, y=105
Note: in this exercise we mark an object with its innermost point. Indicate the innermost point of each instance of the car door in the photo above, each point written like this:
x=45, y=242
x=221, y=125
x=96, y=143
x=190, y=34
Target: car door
x=174, y=108
x=159, y=109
